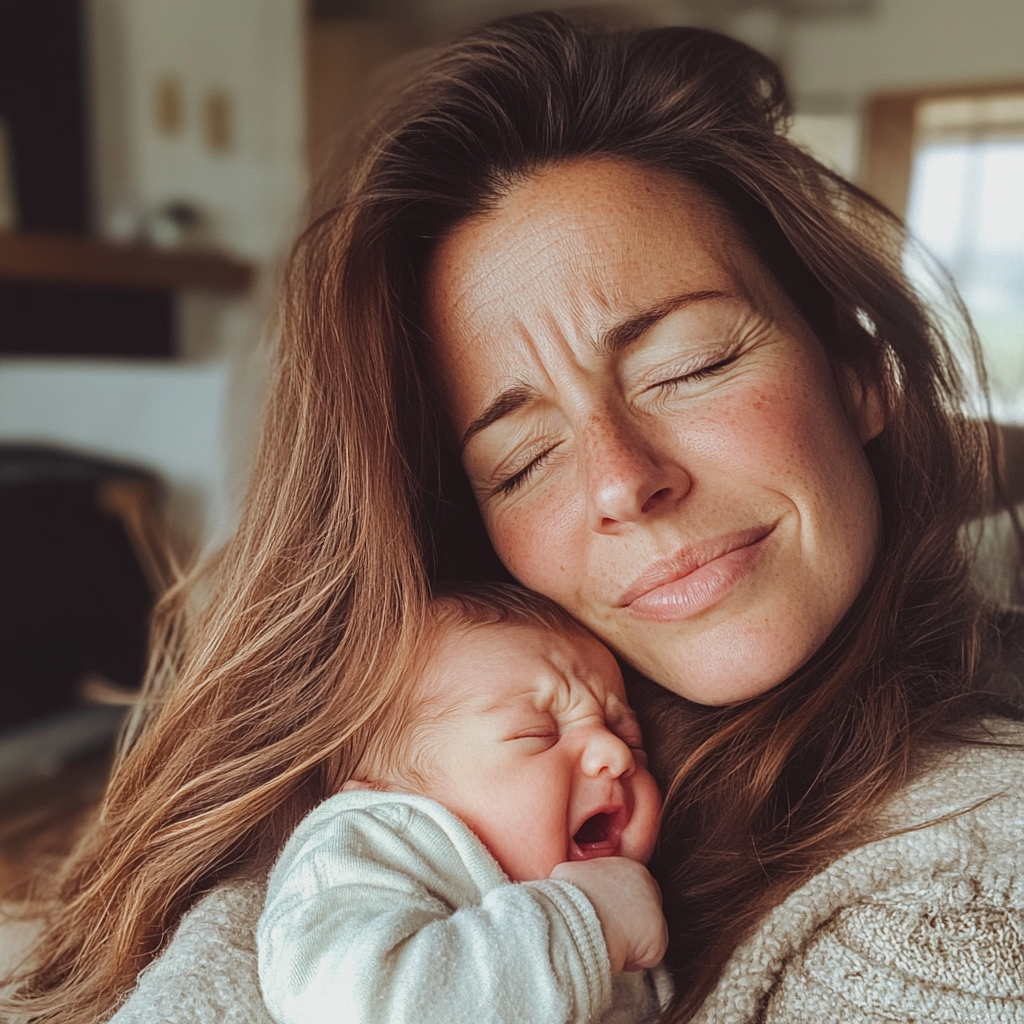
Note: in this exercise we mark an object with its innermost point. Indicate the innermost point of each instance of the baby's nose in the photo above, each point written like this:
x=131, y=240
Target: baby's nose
x=605, y=752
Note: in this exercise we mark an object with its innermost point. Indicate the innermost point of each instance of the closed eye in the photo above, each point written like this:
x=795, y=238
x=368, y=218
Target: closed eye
x=628, y=731
x=695, y=375
x=533, y=727
x=517, y=479
x=541, y=732
x=538, y=740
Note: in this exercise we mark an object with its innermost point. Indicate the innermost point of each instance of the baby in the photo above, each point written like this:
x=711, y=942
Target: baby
x=516, y=759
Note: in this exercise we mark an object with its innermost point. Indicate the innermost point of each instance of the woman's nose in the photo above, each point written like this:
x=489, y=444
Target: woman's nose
x=625, y=480
x=606, y=753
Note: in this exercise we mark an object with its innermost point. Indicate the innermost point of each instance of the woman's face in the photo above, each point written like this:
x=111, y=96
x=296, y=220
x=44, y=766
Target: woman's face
x=656, y=439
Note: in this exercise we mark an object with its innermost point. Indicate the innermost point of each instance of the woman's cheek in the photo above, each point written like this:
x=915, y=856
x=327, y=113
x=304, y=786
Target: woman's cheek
x=541, y=540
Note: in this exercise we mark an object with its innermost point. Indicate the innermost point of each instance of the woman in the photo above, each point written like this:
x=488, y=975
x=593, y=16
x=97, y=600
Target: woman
x=579, y=303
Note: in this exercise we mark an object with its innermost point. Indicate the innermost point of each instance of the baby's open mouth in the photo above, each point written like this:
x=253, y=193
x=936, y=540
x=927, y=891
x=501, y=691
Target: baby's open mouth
x=599, y=835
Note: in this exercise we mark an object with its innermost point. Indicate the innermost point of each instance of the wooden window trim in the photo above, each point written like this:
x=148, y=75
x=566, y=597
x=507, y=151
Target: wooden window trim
x=889, y=126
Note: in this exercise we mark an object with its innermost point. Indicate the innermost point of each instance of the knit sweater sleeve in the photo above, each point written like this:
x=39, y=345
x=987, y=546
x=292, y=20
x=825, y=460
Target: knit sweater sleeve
x=207, y=973
x=394, y=911
x=924, y=924
x=949, y=950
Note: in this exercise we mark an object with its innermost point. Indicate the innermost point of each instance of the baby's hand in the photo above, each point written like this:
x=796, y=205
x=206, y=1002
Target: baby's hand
x=628, y=905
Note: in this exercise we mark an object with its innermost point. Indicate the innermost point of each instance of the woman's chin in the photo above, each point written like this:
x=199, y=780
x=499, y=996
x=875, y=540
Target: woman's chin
x=719, y=671
x=719, y=691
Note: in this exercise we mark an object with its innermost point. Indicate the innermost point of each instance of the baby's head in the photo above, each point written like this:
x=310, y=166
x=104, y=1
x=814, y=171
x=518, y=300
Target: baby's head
x=517, y=722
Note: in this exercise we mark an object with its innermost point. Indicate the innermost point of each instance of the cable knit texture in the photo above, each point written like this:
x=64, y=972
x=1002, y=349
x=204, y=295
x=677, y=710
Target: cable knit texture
x=925, y=925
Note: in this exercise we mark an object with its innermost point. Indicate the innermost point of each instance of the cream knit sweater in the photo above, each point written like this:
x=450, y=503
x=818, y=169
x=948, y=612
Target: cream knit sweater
x=925, y=925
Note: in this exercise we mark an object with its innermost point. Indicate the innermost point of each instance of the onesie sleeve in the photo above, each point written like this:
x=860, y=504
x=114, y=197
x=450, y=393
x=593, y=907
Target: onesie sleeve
x=387, y=914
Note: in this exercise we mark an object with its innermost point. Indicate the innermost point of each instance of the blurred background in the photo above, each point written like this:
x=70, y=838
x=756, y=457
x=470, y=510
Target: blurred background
x=154, y=157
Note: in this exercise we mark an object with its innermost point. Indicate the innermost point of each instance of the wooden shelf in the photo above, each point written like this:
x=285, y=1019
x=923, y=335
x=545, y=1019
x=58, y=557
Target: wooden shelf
x=69, y=259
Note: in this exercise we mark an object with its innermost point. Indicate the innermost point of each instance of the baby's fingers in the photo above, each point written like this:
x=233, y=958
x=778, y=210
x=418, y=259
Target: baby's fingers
x=650, y=951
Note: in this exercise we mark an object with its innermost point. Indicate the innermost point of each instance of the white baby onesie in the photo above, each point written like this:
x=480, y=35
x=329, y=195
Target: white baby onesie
x=385, y=908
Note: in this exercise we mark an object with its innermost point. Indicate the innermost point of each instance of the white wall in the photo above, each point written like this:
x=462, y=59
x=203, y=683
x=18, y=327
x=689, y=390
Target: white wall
x=833, y=64
x=907, y=44
x=249, y=50
x=831, y=138
x=191, y=420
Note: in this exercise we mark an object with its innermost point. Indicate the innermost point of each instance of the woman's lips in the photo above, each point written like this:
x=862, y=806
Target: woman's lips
x=696, y=577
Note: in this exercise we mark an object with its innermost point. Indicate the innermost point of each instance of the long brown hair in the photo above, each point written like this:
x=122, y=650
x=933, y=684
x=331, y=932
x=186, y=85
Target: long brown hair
x=273, y=661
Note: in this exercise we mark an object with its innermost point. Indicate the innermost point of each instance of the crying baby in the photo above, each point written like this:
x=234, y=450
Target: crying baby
x=486, y=864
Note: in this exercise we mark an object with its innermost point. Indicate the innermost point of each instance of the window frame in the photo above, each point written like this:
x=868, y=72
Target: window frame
x=889, y=135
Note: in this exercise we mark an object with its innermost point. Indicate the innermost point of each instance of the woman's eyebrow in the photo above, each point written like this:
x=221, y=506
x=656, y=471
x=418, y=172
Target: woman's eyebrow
x=624, y=333
x=614, y=339
x=505, y=404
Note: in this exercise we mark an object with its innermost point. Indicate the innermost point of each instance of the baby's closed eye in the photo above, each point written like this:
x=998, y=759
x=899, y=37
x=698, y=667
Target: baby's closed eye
x=540, y=730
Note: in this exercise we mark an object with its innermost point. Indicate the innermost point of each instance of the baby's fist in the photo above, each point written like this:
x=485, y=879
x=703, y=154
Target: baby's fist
x=628, y=905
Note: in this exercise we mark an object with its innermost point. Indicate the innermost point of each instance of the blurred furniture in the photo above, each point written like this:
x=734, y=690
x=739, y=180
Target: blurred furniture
x=82, y=557
x=344, y=56
x=1012, y=438
x=74, y=260
x=71, y=295
x=998, y=551
x=41, y=818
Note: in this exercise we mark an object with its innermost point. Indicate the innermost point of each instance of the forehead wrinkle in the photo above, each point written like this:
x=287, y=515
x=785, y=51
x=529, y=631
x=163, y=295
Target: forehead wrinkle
x=488, y=706
x=598, y=311
x=565, y=240
x=509, y=242
x=550, y=333
x=500, y=313
x=582, y=263
x=591, y=244
x=554, y=692
x=572, y=323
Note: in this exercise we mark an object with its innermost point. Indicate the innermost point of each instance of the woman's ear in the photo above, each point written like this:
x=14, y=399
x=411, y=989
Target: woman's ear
x=863, y=400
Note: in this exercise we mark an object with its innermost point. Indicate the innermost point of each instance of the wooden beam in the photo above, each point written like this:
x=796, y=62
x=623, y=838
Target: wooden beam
x=889, y=149
x=69, y=259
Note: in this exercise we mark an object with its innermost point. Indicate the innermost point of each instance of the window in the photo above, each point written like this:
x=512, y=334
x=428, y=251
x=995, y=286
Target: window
x=966, y=204
x=954, y=163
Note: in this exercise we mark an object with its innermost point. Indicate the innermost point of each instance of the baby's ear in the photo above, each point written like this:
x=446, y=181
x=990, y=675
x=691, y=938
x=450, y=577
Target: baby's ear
x=353, y=784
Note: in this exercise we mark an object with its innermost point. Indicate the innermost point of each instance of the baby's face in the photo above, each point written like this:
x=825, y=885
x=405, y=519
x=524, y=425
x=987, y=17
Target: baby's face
x=542, y=756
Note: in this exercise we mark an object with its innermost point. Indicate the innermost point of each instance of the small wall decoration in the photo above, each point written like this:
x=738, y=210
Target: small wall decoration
x=170, y=106
x=217, y=121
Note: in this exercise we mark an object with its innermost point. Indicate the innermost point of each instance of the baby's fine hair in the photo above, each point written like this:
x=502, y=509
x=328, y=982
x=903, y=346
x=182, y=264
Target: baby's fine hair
x=485, y=604
x=395, y=749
